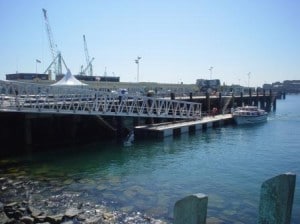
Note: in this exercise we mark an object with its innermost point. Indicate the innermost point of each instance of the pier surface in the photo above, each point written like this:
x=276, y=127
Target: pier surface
x=162, y=130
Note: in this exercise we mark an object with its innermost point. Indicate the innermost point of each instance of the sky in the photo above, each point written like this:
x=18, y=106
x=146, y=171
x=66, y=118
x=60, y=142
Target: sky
x=247, y=42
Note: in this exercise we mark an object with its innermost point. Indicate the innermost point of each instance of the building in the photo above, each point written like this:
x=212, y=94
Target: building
x=205, y=85
x=291, y=86
x=93, y=78
x=27, y=76
x=288, y=86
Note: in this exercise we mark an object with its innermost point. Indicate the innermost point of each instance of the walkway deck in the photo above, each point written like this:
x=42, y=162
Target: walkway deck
x=162, y=130
x=35, y=98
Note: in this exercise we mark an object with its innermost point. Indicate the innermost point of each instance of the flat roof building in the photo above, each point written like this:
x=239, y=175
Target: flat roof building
x=27, y=76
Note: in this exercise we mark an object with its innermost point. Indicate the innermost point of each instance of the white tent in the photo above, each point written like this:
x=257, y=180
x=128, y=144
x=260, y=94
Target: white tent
x=69, y=80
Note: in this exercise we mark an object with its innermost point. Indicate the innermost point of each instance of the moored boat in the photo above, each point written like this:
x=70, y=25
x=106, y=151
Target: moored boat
x=249, y=115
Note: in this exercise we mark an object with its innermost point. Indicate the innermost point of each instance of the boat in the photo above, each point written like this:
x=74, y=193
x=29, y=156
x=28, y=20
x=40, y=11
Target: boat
x=249, y=115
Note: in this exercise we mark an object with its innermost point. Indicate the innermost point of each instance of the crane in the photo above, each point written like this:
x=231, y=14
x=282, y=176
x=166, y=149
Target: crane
x=56, y=55
x=57, y=58
x=89, y=65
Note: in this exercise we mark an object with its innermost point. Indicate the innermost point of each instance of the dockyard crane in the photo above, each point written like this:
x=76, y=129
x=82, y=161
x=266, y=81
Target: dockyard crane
x=89, y=65
x=56, y=55
x=58, y=58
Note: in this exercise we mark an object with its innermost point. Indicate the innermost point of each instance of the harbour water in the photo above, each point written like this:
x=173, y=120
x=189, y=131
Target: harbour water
x=228, y=164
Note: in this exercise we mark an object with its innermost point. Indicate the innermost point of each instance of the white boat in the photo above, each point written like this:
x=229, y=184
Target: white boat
x=249, y=115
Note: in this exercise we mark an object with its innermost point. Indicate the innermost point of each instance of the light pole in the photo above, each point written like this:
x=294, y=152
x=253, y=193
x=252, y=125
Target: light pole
x=210, y=70
x=249, y=79
x=137, y=61
x=36, y=62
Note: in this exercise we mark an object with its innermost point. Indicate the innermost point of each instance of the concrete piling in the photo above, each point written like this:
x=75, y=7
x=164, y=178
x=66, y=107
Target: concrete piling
x=276, y=199
x=275, y=206
x=191, y=209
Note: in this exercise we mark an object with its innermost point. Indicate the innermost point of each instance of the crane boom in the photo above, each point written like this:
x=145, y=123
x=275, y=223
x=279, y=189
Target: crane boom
x=88, y=66
x=56, y=55
x=50, y=35
x=87, y=57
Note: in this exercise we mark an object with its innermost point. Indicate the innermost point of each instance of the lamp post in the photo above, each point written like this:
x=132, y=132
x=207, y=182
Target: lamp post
x=137, y=61
x=210, y=70
x=249, y=79
x=36, y=62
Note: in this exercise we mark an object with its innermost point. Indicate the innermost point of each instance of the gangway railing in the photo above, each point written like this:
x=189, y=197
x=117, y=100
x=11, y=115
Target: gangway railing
x=38, y=98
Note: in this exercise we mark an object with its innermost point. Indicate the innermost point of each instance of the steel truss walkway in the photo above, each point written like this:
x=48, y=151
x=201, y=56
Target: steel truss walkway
x=36, y=98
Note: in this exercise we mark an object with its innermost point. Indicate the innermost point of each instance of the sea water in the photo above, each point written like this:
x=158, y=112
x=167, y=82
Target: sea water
x=228, y=164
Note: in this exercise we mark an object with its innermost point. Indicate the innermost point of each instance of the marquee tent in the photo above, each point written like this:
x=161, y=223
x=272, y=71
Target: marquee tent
x=69, y=80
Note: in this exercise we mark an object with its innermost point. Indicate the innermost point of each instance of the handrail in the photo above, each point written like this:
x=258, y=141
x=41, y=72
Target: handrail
x=37, y=98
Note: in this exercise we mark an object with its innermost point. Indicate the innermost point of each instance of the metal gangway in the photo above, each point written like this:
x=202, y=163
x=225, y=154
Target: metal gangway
x=82, y=100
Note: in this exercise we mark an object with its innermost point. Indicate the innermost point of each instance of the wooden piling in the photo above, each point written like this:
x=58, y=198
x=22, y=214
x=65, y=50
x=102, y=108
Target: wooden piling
x=207, y=103
x=274, y=104
x=263, y=100
x=269, y=101
x=219, y=107
x=256, y=98
x=250, y=97
x=242, y=100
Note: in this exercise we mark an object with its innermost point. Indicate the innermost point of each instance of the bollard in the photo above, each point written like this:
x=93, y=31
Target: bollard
x=276, y=199
x=191, y=209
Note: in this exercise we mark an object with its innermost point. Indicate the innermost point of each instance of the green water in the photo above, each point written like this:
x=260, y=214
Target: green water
x=228, y=164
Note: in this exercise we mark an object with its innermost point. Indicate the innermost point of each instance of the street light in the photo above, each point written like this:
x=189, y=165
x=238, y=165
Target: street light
x=137, y=61
x=36, y=62
x=249, y=79
x=210, y=69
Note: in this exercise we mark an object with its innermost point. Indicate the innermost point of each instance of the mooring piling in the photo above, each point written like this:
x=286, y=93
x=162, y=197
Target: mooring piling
x=191, y=209
x=275, y=205
x=276, y=199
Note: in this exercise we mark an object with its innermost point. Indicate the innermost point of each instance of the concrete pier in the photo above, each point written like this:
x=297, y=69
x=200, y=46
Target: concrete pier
x=163, y=130
x=19, y=131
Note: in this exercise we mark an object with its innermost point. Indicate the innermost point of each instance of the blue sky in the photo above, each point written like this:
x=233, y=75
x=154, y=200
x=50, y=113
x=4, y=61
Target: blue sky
x=178, y=40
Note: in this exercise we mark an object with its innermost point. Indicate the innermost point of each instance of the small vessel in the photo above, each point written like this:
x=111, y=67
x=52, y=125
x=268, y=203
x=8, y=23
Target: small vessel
x=249, y=115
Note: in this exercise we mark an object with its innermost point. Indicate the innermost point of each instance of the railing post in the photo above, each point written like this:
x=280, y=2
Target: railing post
x=191, y=209
x=276, y=199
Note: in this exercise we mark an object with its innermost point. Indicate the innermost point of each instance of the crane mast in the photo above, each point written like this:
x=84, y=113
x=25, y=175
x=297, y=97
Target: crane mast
x=56, y=55
x=87, y=57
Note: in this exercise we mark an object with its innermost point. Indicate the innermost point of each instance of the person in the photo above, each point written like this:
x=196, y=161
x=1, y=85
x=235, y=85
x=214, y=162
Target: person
x=214, y=111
